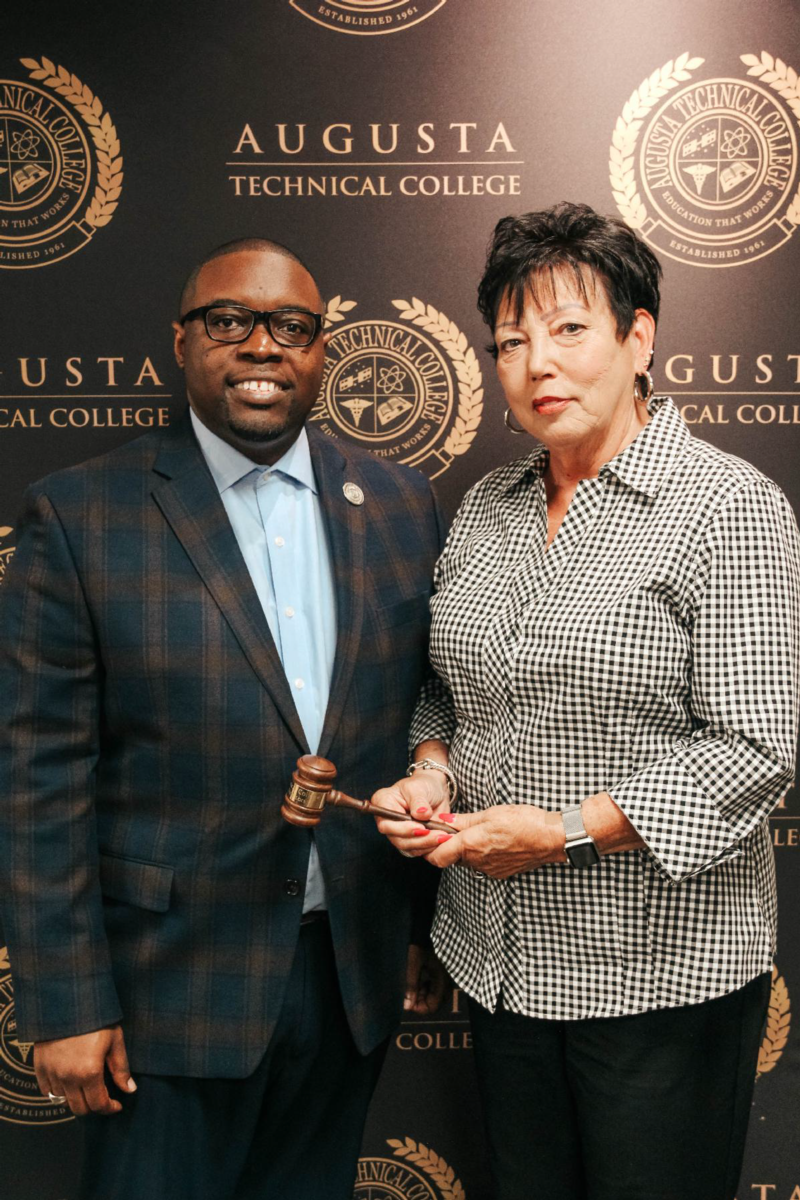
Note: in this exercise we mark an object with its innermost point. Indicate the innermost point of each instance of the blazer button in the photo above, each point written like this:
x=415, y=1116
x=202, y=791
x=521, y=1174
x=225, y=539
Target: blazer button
x=292, y=887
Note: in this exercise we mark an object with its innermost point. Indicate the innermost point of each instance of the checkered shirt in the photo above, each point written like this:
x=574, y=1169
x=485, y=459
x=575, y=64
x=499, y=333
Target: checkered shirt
x=652, y=653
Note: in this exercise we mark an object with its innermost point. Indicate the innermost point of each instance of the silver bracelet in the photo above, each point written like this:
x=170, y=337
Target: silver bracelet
x=429, y=764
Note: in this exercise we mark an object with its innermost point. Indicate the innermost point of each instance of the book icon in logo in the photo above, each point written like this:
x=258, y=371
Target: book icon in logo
x=25, y=177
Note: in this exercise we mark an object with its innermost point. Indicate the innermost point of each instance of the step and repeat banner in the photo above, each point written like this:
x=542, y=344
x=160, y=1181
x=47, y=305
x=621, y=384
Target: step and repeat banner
x=382, y=140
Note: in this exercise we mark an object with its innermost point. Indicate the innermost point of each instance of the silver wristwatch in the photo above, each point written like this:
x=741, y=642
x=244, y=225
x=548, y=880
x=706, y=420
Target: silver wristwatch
x=580, y=848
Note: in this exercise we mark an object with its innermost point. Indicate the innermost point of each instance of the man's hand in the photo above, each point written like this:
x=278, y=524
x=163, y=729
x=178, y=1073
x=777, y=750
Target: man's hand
x=503, y=840
x=426, y=981
x=74, y=1067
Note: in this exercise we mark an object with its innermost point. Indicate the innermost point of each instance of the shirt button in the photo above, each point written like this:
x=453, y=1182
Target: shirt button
x=288, y=611
x=279, y=541
x=299, y=684
x=291, y=887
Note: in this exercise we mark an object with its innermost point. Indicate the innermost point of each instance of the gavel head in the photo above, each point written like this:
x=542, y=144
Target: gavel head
x=312, y=781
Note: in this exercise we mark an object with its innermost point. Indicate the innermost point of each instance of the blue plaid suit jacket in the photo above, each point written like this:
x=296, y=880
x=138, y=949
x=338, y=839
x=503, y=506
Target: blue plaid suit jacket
x=149, y=733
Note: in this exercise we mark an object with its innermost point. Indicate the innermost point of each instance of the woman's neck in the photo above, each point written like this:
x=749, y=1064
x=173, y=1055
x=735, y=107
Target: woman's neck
x=583, y=460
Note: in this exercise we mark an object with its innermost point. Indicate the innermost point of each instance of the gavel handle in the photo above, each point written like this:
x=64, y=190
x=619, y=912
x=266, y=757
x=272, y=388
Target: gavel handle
x=343, y=800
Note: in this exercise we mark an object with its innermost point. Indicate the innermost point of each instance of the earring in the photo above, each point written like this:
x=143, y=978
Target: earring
x=638, y=394
x=511, y=428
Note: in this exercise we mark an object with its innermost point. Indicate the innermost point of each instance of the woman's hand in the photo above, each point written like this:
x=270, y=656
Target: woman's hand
x=423, y=794
x=502, y=840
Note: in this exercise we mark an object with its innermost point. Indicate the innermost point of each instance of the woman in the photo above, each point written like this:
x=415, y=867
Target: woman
x=615, y=639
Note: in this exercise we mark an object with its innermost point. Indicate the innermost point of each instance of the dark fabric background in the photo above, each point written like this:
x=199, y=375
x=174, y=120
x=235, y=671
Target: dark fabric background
x=180, y=81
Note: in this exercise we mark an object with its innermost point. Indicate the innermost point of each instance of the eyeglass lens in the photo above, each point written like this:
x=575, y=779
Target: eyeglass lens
x=231, y=324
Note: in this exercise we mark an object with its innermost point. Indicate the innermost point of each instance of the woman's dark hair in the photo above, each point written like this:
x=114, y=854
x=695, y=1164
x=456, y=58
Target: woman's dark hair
x=532, y=249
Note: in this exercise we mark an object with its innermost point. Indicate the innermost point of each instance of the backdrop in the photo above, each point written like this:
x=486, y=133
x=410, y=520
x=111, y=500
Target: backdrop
x=382, y=139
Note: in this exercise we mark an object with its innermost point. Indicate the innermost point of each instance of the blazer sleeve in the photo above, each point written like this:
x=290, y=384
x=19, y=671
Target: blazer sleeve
x=50, y=900
x=694, y=806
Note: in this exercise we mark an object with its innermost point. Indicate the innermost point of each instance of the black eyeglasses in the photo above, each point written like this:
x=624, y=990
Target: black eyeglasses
x=235, y=323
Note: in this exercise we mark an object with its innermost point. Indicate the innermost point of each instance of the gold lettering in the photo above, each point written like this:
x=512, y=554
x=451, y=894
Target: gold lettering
x=463, y=126
x=149, y=371
x=23, y=364
x=248, y=139
x=112, y=380
x=500, y=135
x=688, y=375
x=422, y=130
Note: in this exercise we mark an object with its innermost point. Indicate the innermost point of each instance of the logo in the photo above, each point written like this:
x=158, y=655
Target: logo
x=430, y=1178
x=707, y=171
x=367, y=17
x=6, y=552
x=60, y=166
x=409, y=390
x=21, y=1102
x=779, y=1022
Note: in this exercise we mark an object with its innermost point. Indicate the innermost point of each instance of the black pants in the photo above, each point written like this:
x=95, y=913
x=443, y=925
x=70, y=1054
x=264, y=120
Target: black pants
x=293, y=1128
x=646, y=1107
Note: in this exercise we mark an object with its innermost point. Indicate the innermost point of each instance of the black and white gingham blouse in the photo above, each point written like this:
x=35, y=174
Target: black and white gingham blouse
x=652, y=653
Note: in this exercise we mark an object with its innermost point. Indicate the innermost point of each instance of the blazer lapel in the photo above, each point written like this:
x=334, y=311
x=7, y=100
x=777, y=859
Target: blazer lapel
x=345, y=524
x=189, y=500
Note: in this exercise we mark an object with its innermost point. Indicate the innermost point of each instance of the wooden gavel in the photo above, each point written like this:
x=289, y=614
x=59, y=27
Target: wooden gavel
x=312, y=789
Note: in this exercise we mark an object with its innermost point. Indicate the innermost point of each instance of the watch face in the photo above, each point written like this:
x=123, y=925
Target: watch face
x=583, y=854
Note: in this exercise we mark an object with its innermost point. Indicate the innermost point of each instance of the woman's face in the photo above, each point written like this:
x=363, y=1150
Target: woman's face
x=567, y=377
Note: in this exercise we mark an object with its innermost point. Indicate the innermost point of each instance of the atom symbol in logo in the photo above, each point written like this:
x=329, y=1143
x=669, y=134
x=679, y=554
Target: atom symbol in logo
x=24, y=143
x=735, y=142
x=391, y=379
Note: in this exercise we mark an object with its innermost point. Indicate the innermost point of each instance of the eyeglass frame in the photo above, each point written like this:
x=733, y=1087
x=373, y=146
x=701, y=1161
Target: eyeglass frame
x=259, y=317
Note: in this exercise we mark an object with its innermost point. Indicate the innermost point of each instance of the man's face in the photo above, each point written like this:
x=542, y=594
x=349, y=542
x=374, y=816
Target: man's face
x=255, y=394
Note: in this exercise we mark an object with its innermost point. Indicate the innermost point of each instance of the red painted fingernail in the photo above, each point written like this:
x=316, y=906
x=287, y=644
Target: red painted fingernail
x=419, y=832
x=421, y=812
x=448, y=816
x=444, y=837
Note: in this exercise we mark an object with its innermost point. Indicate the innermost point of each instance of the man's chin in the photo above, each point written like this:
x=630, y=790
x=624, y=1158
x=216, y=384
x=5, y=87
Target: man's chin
x=257, y=434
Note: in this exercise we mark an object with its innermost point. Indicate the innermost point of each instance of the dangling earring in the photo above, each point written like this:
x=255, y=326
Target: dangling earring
x=511, y=428
x=640, y=395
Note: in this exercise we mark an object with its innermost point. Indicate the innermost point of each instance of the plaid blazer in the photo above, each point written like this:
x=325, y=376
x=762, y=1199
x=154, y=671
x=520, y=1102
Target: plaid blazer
x=148, y=736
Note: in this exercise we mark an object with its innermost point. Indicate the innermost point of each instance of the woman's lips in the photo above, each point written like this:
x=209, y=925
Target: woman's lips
x=550, y=404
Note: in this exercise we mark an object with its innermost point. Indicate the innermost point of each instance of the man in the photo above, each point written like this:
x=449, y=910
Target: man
x=184, y=617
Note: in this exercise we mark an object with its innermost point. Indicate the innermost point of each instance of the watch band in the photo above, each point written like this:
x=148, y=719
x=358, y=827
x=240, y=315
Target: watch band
x=580, y=848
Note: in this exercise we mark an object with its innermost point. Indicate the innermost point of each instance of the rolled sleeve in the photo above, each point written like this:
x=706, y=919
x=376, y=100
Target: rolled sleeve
x=694, y=806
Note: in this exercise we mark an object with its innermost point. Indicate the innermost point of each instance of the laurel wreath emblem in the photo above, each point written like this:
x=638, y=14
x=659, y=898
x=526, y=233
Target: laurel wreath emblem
x=6, y=554
x=784, y=80
x=465, y=365
x=104, y=135
x=5, y=965
x=429, y=1161
x=336, y=309
x=779, y=1021
x=626, y=133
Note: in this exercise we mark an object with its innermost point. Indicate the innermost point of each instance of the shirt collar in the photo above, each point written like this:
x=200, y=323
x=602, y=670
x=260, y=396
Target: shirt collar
x=651, y=457
x=643, y=465
x=228, y=466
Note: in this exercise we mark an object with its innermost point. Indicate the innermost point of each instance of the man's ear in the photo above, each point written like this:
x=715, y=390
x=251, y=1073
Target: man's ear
x=179, y=343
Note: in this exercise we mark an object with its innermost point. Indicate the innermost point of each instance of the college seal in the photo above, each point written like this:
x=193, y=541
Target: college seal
x=409, y=390
x=415, y=1173
x=706, y=168
x=60, y=166
x=367, y=17
x=21, y=1102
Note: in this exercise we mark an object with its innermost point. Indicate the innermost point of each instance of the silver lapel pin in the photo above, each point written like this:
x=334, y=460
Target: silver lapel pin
x=353, y=493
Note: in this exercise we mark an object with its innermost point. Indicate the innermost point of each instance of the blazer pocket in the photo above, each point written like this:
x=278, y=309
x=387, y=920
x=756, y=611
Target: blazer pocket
x=145, y=884
x=414, y=609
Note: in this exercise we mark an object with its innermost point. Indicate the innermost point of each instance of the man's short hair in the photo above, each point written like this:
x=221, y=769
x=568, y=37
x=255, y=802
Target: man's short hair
x=237, y=246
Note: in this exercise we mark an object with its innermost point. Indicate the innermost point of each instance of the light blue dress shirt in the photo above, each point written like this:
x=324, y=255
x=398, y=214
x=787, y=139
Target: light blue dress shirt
x=277, y=519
